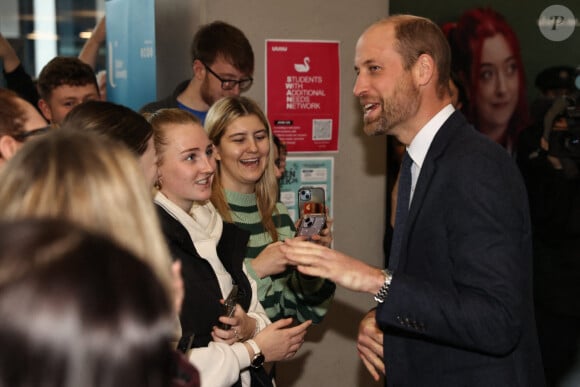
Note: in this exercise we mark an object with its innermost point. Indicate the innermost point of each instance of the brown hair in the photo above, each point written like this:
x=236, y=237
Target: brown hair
x=12, y=115
x=63, y=70
x=416, y=36
x=220, y=39
x=115, y=121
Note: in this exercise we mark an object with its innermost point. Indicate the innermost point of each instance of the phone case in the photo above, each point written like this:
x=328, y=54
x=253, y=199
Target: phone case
x=311, y=225
x=230, y=306
x=185, y=342
x=311, y=200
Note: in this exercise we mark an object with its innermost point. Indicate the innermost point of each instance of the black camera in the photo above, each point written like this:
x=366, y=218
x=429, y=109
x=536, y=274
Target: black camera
x=565, y=140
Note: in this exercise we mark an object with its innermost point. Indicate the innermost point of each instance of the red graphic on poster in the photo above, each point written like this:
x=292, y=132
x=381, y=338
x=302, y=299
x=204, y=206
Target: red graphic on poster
x=303, y=93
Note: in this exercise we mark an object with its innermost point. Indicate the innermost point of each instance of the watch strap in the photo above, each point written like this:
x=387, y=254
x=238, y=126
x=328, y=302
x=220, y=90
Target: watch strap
x=384, y=290
x=254, y=346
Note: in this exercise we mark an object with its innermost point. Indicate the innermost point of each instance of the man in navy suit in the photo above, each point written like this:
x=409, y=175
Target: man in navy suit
x=455, y=304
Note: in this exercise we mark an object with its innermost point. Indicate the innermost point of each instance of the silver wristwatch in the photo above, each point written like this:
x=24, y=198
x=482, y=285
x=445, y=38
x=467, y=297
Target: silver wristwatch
x=384, y=290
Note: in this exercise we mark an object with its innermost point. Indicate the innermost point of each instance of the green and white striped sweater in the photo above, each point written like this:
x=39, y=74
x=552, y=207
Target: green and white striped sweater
x=288, y=294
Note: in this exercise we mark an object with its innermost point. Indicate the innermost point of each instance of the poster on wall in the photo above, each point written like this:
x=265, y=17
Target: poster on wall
x=548, y=32
x=306, y=171
x=131, y=64
x=303, y=93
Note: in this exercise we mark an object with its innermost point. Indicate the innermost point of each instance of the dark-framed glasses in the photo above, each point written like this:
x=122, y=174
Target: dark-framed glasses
x=23, y=136
x=230, y=84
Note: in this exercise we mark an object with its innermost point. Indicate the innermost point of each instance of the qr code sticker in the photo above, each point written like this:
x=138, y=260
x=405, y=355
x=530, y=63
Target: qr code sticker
x=322, y=129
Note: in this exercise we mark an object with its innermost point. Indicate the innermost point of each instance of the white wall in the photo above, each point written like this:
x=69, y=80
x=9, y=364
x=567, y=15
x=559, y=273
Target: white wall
x=329, y=357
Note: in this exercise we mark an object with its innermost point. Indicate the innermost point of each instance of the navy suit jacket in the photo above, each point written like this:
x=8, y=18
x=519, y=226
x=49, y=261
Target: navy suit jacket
x=459, y=310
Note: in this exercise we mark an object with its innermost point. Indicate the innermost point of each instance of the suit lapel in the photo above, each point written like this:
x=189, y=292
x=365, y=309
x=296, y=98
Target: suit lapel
x=428, y=170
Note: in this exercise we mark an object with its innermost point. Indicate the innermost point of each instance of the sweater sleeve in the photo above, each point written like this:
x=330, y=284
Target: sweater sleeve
x=311, y=295
x=220, y=364
x=20, y=82
x=256, y=310
x=291, y=294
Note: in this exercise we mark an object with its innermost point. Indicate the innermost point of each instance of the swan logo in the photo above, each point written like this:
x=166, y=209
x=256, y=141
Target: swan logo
x=303, y=67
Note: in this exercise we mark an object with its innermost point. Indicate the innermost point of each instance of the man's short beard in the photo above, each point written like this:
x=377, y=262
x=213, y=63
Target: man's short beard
x=378, y=127
x=399, y=108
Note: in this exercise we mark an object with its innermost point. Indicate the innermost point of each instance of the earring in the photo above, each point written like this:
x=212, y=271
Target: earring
x=157, y=184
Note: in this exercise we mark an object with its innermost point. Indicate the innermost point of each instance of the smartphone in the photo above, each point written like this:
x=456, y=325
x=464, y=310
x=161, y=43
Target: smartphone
x=229, y=306
x=311, y=200
x=185, y=342
x=310, y=225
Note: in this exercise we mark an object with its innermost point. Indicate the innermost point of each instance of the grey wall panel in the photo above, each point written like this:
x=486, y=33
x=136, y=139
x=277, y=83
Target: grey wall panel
x=175, y=23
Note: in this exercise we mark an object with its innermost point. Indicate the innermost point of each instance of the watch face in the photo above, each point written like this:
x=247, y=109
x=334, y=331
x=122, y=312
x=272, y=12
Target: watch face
x=257, y=361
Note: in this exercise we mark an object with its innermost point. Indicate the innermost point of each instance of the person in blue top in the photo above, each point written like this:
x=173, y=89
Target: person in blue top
x=222, y=64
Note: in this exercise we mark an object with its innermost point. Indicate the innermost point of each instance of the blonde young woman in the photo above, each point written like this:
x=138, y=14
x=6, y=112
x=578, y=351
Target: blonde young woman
x=245, y=192
x=94, y=182
x=212, y=254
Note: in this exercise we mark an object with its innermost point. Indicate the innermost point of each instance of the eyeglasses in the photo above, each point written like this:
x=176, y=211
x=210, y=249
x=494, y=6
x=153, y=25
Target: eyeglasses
x=21, y=137
x=229, y=84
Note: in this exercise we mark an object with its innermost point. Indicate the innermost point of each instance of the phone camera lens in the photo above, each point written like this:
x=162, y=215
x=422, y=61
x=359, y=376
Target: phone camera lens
x=305, y=195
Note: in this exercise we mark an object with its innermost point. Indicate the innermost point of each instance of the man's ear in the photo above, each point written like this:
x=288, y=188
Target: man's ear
x=45, y=109
x=8, y=146
x=198, y=69
x=424, y=69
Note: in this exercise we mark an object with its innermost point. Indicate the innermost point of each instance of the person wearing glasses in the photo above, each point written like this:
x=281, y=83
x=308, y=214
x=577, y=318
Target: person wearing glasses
x=222, y=64
x=19, y=121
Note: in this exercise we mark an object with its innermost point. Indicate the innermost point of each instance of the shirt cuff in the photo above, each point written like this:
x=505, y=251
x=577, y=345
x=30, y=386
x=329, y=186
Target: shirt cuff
x=242, y=354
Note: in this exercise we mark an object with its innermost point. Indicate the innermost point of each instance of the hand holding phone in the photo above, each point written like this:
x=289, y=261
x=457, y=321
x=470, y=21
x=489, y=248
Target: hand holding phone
x=229, y=306
x=311, y=225
x=311, y=203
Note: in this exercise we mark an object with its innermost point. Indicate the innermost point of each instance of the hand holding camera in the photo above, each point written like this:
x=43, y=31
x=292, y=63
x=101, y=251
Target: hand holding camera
x=561, y=136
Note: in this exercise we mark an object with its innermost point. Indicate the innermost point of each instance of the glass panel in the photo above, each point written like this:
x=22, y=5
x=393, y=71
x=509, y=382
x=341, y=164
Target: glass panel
x=40, y=29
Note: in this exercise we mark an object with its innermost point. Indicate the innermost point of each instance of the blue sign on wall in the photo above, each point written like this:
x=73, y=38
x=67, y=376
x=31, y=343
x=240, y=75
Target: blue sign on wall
x=131, y=63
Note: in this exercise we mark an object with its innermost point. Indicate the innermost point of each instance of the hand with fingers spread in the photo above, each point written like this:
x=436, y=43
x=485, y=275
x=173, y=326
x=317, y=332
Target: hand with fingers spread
x=370, y=345
x=320, y=261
